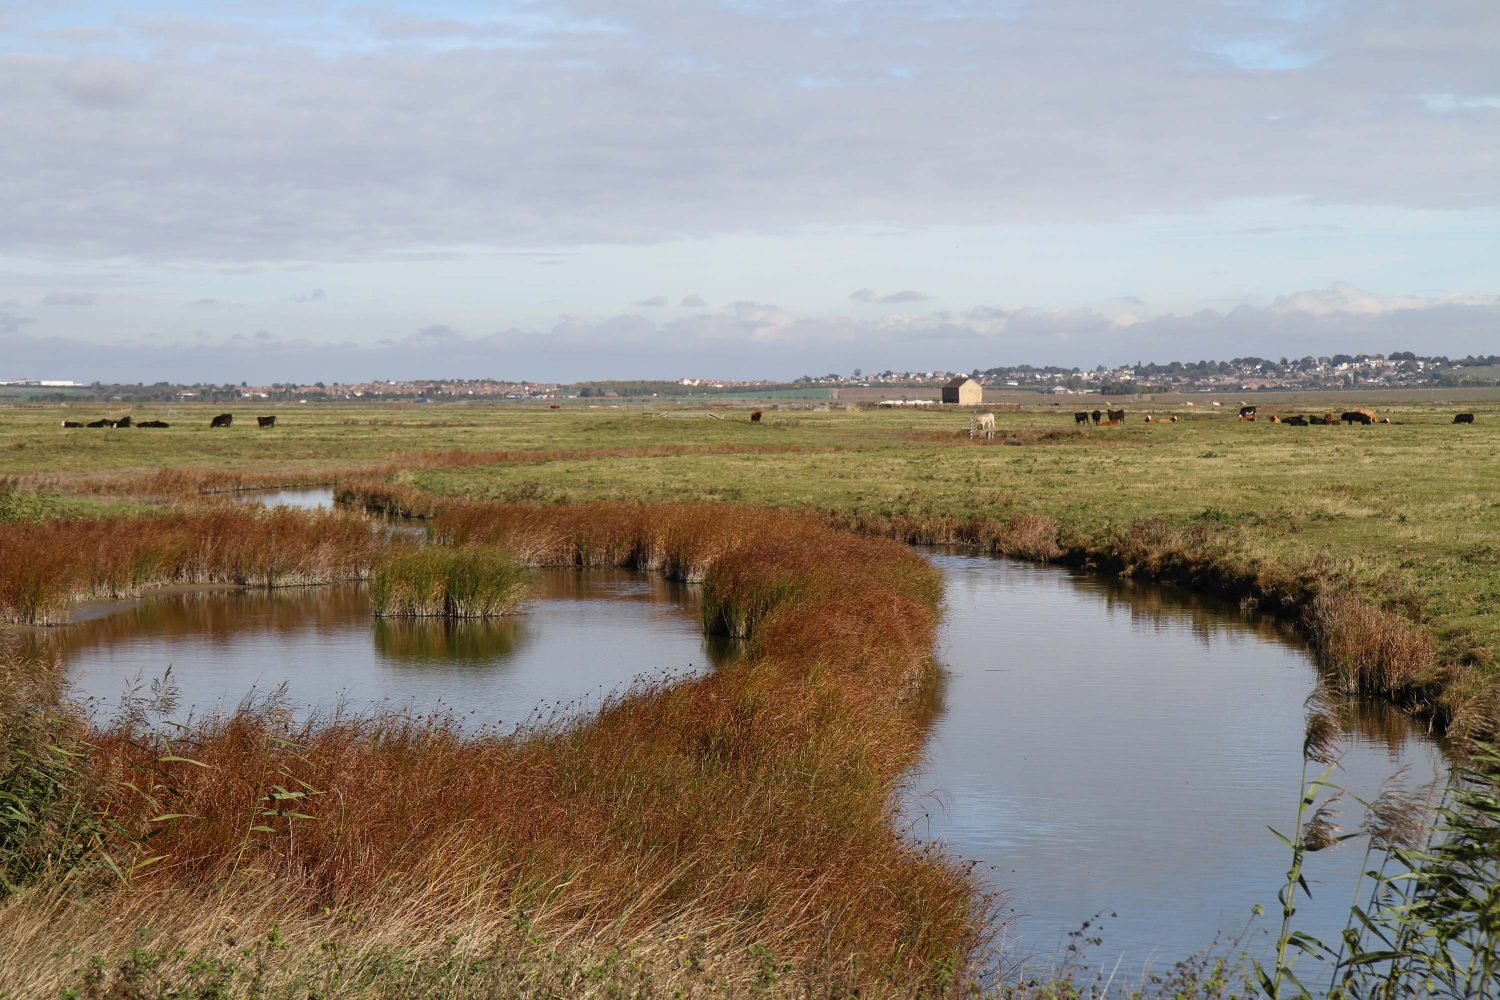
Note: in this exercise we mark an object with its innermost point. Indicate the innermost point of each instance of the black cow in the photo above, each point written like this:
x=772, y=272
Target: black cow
x=123, y=422
x=1316, y=420
x=1464, y=418
x=1295, y=421
x=153, y=423
x=1081, y=417
x=222, y=420
x=1356, y=417
x=1247, y=411
x=101, y=422
x=1097, y=416
x=72, y=423
x=266, y=421
x=755, y=417
x=1116, y=415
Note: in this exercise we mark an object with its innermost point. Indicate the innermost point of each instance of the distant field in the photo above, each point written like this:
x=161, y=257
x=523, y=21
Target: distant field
x=1407, y=512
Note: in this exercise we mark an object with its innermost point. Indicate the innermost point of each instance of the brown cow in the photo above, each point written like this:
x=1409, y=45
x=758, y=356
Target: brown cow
x=1464, y=418
x=1248, y=418
x=1116, y=416
x=755, y=417
x=265, y=421
x=222, y=420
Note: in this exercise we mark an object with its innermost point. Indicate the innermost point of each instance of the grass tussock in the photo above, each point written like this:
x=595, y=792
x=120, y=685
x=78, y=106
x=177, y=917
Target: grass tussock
x=442, y=582
x=755, y=803
x=1369, y=650
x=47, y=567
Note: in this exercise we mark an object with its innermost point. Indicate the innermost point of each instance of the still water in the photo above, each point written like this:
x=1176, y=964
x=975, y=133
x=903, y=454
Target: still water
x=582, y=636
x=303, y=498
x=1101, y=747
x=1105, y=747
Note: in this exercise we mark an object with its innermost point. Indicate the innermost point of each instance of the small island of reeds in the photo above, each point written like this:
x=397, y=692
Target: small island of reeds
x=463, y=582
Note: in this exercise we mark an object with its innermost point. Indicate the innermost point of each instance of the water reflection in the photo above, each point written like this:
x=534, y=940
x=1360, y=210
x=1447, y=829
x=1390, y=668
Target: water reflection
x=583, y=634
x=304, y=498
x=1112, y=746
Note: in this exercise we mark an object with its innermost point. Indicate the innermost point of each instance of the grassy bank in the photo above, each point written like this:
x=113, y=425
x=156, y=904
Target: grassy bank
x=49, y=566
x=748, y=811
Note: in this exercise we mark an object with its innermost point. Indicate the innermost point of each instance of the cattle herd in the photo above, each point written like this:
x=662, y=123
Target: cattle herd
x=222, y=420
x=1249, y=414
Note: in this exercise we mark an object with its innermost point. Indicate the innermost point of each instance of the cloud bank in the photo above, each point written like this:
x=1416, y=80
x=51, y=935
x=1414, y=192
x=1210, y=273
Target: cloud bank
x=764, y=340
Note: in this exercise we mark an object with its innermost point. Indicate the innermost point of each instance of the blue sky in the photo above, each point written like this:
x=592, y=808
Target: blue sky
x=750, y=188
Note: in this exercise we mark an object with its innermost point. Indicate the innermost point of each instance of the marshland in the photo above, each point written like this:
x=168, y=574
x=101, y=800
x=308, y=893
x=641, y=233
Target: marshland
x=890, y=783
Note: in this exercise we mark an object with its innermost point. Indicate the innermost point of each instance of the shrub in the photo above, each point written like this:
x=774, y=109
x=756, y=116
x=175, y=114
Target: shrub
x=440, y=582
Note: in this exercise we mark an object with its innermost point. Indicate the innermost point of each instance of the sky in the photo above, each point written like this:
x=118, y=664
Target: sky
x=301, y=191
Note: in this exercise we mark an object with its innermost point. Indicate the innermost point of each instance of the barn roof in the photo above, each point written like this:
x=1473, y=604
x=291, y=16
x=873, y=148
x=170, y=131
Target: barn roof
x=954, y=383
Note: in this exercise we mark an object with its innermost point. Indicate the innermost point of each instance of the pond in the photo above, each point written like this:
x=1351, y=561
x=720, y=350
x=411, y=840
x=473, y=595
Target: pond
x=301, y=497
x=1116, y=748
x=584, y=634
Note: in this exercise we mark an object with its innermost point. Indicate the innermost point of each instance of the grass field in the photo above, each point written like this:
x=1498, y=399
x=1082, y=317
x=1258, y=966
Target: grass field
x=1406, y=514
x=1380, y=540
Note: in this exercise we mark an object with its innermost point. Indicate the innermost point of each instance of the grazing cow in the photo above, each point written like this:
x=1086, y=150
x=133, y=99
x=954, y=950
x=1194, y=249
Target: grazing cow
x=1116, y=416
x=1081, y=417
x=1097, y=416
x=1357, y=417
x=755, y=417
x=1247, y=411
x=1462, y=418
x=153, y=423
x=1247, y=418
x=265, y=421
x=1296, y=421
x=1173, y=418
x=79, y=423
x=222, y=420
x=123, y=422
x=1148, y=418
x=554, y=406
x=982, y=423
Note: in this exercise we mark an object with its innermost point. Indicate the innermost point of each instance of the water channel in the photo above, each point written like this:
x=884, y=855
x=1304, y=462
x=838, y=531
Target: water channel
x=1112, y=748
x=1101, y=746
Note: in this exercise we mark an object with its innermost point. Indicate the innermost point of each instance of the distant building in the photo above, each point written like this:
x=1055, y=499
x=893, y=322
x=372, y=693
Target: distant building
x=963, y=391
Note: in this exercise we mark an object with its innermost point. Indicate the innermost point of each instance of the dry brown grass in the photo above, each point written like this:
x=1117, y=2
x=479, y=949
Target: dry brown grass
x=1369, y=650
x=756, y=801
x=47, y=567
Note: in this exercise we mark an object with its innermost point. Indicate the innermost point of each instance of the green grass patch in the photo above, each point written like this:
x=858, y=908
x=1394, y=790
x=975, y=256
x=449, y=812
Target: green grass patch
x=438, y=582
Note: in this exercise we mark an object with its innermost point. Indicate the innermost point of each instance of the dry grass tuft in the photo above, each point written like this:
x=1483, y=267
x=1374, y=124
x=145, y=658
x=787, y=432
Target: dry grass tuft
x=1368, y=650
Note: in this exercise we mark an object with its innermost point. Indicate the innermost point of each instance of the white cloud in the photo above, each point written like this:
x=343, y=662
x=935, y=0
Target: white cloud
x=104, y=83
x=69, y=299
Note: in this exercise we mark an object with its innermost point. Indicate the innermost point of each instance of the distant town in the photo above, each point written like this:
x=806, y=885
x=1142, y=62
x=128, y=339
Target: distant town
x=1400, y=370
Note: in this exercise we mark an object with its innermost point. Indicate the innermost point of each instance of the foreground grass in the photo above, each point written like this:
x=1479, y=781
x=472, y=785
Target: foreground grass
x=752, y=806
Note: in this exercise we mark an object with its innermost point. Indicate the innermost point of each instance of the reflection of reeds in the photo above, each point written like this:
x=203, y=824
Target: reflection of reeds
x=750, y=805
x=428, y=640
x=434, y=582
x=47, y=567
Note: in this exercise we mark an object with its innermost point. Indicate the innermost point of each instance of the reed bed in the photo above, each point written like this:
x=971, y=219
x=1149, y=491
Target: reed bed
x=755, y=803
x=464, y=582
x=48, y=567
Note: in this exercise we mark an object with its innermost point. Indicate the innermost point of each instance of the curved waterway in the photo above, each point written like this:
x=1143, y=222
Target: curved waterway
x=1108, y=751
x=582, y=636
x=1113, y=752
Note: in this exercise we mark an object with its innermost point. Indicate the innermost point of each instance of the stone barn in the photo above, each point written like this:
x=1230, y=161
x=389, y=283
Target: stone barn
x=964, y=391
